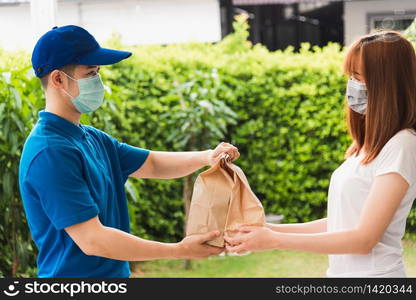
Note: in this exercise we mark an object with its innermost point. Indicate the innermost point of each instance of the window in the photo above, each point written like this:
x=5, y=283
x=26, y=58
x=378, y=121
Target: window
x=390, y=21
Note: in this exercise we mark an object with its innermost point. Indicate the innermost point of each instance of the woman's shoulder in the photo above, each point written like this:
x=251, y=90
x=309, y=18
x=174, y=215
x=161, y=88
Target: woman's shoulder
x=404, y=138
x=408, y=134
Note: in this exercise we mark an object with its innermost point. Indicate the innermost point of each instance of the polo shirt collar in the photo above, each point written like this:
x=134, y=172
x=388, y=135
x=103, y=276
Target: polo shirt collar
x=61, y=124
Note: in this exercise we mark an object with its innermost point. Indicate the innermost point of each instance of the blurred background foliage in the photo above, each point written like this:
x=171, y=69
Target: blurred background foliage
x=284, y=110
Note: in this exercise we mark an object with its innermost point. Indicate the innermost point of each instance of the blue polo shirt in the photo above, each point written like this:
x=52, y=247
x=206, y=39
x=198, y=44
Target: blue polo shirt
x=69, y=174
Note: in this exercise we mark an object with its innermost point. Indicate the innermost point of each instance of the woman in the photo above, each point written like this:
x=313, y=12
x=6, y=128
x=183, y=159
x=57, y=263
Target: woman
x=372, y=191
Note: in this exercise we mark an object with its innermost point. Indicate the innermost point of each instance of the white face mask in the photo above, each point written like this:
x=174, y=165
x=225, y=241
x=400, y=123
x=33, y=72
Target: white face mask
x=357, y=96
x=91, y=93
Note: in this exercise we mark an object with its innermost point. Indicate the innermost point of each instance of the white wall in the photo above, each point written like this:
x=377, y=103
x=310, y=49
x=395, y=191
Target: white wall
x=138, y=21
x=355, y=15
x=15, y=27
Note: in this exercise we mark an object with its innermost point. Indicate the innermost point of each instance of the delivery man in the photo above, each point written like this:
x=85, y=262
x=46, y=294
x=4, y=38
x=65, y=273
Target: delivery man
x=72, y=175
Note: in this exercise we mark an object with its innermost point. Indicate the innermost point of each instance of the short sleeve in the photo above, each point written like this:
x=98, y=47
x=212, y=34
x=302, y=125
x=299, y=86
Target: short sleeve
x=399, y=156
x=56, y=176
x=131, y=158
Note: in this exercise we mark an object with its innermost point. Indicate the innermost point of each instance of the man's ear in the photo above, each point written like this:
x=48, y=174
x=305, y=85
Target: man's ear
x=56, y=79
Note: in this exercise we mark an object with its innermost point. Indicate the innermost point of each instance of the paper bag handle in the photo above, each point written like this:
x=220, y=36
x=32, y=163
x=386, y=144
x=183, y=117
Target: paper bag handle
x=225, y=158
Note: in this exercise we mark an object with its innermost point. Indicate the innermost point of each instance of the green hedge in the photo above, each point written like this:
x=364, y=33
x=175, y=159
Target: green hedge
x=290, y=128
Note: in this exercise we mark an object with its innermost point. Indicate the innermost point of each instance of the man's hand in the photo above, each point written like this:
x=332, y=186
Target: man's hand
x=193, y=246
x=216, y=154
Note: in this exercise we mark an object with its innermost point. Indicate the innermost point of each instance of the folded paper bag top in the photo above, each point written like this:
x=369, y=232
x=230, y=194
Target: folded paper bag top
x=223, y=200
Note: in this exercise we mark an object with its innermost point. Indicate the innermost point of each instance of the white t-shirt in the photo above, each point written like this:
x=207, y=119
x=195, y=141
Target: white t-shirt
x=349, y=187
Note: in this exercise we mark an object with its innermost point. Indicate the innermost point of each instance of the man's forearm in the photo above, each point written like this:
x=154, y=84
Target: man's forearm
x=116, y=244
x=168, y=165
x=308, y=227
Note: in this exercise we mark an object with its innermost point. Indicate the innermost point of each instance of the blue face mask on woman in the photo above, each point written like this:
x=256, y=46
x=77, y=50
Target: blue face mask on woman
x=357, y=96
x=91, y=93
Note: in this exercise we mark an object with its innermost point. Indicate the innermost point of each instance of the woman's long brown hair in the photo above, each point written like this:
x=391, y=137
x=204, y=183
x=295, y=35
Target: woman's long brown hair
x=387, y=63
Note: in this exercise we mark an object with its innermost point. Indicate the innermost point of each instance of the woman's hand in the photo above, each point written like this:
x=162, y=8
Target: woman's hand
x=252, y=238
x=222, y=148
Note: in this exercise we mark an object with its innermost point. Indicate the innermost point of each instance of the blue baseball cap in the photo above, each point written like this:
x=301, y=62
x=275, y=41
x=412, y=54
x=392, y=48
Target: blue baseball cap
x=67, y=45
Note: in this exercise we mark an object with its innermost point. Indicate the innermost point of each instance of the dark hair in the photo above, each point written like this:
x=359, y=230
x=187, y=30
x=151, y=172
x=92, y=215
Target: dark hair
x=68, y=69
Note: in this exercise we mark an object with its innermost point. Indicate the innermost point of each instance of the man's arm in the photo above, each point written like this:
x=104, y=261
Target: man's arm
x=169, y=165
x=93, y=238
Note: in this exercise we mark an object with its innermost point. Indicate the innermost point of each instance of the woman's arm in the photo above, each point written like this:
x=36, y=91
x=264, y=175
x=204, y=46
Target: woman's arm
x=308, y=227
x=379, y=208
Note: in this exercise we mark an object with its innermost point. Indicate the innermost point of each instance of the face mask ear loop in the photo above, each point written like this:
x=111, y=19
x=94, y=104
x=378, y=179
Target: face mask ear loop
x=69, y=76
x=70, y=96
x=64, y=89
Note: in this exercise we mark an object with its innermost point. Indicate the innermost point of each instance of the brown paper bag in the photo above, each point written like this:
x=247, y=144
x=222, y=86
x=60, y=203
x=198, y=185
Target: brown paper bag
x=222, y=200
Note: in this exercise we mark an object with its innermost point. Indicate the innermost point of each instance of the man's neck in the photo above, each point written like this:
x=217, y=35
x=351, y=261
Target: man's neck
x=58, y=107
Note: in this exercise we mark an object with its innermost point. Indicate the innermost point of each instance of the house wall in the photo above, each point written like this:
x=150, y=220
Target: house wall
x=138, y=21
x=357, y=13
